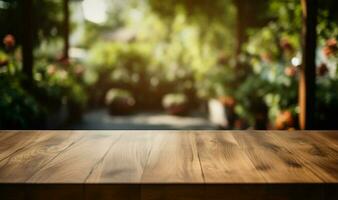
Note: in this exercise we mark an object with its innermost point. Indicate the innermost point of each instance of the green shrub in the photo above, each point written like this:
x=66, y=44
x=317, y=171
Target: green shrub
x=119, y=101
x=19, y=109
x=174, y=99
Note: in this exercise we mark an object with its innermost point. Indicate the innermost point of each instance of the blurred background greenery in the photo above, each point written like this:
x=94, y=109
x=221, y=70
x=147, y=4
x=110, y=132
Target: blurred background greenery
x=139, y=55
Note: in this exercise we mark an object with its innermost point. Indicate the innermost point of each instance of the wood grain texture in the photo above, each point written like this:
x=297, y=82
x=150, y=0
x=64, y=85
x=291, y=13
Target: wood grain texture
x=22, y=164
x=6, y=134
x=173, y=159
x=330, y=138
x=317, y=155
x=168, y=157
x=75, y=164
x=274, y=160
x=14, y=141
x=222, y=159
x=151, y=165
x=125, y=161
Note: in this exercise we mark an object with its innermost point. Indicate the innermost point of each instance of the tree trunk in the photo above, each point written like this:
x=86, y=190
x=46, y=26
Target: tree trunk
x=27, y=40
x=66, y=29
x=240, y=27
x=308, y=68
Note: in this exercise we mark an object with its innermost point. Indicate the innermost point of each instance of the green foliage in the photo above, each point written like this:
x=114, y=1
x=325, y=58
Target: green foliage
x=274, y=55
x=119, y=101
x=217, y=82
x=118, y=94
x=24, y=107
x=18, y=108
x=213, y=10
x=176, y=47
x=164, y=55
x=47, y=19
x=176, y=99
x=125, y=63
x=58, y=84
x=270, y=51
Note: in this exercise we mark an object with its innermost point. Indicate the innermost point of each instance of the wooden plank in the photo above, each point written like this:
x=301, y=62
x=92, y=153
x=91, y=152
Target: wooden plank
x=66, y=21
x=125, y=160
x=330, y=135
x=329, y=138
x=173, y=159
x=167, y=157
x=307, y=80
x=322, y=160
x=6, y=134
x=223, y=161
x=75, y=164
x=22, y=164
x=305, y=139
x=17, y=141
x=273, y=160
x=27, y=40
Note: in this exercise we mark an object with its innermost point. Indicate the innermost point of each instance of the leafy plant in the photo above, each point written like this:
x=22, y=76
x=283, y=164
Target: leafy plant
x=19, y=109
x=175, y=104
x=119, y=101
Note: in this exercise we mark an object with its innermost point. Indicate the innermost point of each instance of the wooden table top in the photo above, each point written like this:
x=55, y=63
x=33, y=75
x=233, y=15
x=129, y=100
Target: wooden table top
x=187, y=157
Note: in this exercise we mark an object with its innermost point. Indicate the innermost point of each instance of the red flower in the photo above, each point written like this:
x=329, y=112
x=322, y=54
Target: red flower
x=9, y=41
x=228, y=101
x=332, y=43
x=284, y=120
x=330, y=47
x=327, y=51
x=286, y=45
x=290, y=71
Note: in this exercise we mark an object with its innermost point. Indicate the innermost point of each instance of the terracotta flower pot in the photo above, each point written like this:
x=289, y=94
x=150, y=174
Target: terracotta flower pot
x=121, y=106
x=284, y=121
x=228, y=101
x=178, y=109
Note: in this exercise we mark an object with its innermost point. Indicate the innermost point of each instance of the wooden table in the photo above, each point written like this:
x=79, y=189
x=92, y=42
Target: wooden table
x=151, y=165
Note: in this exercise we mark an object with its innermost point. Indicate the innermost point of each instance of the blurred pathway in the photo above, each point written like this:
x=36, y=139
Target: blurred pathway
x=101, y=120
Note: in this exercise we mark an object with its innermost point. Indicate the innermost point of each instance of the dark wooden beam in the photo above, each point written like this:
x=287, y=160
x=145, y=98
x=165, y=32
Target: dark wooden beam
x=66, y=29
x=240, y=27
x=27, y=39
x=308, y=69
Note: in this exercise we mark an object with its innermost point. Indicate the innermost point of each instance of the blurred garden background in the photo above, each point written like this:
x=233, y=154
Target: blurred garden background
x=162, y=64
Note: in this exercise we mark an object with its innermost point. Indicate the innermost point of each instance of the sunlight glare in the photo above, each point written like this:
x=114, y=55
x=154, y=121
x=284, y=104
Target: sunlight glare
x=296, y=61
x=95, y=11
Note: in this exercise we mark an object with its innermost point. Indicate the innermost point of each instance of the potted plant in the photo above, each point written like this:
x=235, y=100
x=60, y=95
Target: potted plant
x=119, y=102
x=175, y=104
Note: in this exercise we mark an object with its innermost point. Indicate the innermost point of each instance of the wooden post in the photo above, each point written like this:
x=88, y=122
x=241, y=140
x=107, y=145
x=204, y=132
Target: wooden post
x=27, y=39
x=240, y=27
x=66, y=29
x=308, y=69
